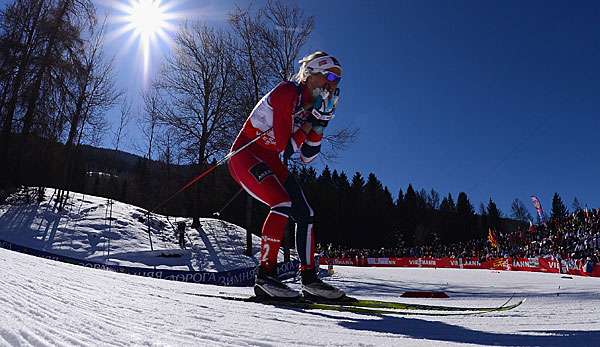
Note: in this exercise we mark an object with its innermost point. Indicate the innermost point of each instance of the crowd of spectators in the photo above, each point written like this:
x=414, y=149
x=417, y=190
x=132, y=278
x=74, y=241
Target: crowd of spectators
x=576, y=236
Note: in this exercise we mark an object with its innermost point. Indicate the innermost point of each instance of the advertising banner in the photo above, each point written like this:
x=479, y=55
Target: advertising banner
x=236, y=278
x=571, y=267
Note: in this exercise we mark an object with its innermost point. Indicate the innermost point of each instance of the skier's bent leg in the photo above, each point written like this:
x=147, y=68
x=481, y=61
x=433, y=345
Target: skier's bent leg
x=260, y=181
x=272, y=234
x=303, y=216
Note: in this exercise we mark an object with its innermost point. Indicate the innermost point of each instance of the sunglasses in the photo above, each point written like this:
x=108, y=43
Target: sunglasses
x=330, y=76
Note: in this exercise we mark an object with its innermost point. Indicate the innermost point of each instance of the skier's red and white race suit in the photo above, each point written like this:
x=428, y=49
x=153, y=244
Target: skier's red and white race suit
x=260, y=171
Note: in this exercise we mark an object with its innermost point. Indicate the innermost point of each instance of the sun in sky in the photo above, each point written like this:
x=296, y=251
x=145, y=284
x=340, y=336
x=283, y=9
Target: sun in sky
x=147, y=23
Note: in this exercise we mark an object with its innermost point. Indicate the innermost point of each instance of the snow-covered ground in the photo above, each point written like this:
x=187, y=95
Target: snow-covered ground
x=86, y=230
x=44, y=302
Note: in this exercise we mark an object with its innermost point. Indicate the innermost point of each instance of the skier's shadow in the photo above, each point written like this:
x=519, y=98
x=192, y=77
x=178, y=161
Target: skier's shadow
x=439, y=331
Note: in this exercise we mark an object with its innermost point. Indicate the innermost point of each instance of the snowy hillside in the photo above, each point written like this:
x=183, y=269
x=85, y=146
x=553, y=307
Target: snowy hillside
x=85, y=230
x=43, y=302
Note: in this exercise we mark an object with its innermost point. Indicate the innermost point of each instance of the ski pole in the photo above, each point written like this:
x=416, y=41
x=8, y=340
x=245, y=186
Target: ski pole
x=210, y=169
x=218, y=213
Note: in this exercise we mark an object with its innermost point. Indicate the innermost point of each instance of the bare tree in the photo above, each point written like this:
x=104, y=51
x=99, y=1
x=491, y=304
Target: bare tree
x=92, y=91
x=124, y=119
x=65, y=22
x=199, y=81
x=337, y=142
x=20, y=41
x=149, y=122
x=519, y=211
x=40, y=37
x=286, y=31
x=250, y=65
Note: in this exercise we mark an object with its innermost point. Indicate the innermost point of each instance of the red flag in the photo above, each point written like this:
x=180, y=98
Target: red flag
x=492, y=238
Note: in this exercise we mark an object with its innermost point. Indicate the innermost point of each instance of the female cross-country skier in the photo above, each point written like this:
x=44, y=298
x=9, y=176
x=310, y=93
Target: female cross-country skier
x=291, y=118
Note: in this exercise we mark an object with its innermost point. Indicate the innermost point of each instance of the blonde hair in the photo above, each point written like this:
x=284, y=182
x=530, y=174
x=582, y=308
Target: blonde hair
x=304, y=72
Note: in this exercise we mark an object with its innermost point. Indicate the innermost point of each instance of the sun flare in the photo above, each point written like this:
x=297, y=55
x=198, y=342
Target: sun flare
x=147, y=17
x=148, y=23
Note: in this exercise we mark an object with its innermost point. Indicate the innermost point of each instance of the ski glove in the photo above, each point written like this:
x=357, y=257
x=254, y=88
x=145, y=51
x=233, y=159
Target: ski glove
x=317, y=124
x=323, y=109
x=325, y=104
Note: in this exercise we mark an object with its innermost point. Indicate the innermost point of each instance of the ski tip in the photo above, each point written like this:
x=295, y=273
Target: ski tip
x=516, y=304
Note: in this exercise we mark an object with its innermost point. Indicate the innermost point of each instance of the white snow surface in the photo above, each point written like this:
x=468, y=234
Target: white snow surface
x=84, y=229
x=49, y=303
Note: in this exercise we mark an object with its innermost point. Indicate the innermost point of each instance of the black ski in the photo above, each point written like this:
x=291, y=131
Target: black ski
x=349, y=304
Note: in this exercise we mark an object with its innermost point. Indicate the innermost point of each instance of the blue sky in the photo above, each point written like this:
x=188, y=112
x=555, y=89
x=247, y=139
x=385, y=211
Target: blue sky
x=498, y=99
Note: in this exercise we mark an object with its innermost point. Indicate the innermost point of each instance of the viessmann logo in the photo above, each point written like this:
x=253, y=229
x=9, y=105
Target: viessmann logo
x=465, y=262
x=341, y=261
x=530, y=263
x=421, y=262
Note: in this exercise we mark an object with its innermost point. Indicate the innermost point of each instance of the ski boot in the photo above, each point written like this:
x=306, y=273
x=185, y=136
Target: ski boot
x=314, y=288
x=267, y=285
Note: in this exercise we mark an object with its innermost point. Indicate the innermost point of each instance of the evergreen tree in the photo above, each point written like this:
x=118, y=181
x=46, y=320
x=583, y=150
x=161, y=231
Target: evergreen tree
x=463, y=205
x=387, y=198
x=493, y=214
x=444, y=205
x=325, y=176
x=399, y=222
x=410, y=199
x=373, y=199
x=410, y=216
x=559, y=211
x=482, y=210
x=451, y=203
x=482, y=224
x=357, y=185
x=465, y=222
x=576, y=205
x=447, y=204
x=341, y=182
x=400, y=199
x=434, y=199
x=356, y=219
x=324, y=204
x=422, y=200
x=342, y=220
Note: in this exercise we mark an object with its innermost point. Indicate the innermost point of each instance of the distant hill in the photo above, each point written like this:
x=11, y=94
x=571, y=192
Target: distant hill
x=104, y=158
